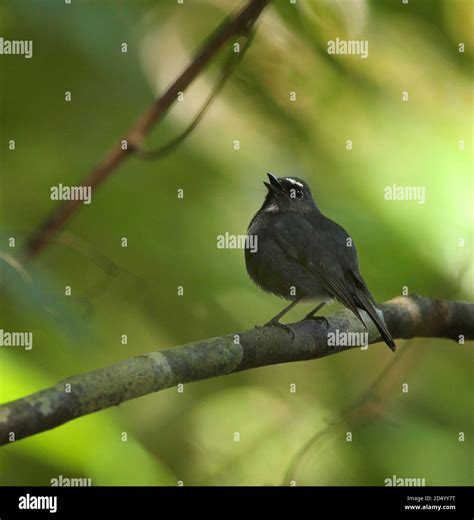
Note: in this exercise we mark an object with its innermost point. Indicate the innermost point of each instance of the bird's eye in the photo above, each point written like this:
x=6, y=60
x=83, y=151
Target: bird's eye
x=295, y=194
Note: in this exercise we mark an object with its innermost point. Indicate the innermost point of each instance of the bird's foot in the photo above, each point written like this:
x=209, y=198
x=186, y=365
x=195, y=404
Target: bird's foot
x=317, y=318
x=288, y=329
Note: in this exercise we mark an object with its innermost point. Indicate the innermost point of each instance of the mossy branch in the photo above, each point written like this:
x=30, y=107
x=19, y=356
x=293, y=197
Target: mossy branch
x=406, y=317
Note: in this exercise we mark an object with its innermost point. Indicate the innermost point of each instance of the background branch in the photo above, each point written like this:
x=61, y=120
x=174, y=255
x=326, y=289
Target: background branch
x=234, y=26
x=406, y=317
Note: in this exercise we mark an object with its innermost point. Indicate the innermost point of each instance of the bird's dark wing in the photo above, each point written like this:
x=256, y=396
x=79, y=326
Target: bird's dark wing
x=320, y=247
x=326, y=251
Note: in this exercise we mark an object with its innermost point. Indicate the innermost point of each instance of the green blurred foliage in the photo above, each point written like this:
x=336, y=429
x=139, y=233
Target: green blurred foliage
x=189, y=437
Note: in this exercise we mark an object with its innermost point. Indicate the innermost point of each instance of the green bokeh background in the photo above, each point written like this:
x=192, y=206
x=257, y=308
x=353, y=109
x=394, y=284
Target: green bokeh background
x=403, y=245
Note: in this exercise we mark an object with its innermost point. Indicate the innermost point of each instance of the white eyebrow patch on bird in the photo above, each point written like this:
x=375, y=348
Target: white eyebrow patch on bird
x=293, y=181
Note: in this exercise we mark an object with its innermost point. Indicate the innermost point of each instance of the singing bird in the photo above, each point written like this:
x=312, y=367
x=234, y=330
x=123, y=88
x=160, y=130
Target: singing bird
x=304, y=256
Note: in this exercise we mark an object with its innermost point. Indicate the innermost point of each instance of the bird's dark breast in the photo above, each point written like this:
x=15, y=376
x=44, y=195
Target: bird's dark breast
x=276, y=272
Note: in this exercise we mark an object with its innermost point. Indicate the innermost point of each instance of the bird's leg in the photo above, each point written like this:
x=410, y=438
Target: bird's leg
x=311, y=315
x=314, y=311
x=276, y=319
x=280, y=315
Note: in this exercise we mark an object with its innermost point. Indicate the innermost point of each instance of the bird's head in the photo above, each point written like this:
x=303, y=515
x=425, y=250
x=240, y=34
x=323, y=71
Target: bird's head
x=288, y=194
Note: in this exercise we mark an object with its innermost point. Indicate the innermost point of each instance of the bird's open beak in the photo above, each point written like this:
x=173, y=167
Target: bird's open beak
x=274, y=185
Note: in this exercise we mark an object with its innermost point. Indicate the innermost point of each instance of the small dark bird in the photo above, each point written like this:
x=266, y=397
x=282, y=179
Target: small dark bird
x=302, y=255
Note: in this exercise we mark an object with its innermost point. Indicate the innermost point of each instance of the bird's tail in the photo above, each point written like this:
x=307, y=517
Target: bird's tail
x=366, y=304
